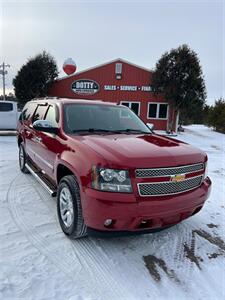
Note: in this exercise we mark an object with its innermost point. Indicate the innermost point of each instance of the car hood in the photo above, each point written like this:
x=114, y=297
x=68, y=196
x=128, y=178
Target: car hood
x=143, y=151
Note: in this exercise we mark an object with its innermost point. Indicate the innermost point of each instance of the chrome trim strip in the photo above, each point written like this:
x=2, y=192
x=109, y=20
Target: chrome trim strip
x=162, y=182
x=179, y=167
x=44, y=185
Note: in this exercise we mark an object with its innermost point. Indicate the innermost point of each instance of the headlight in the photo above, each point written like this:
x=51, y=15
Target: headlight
x=111, y=180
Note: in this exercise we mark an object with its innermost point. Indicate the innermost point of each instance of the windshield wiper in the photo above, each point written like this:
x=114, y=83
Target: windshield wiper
x=119, y=131
x=128, y=130
x=95, y=130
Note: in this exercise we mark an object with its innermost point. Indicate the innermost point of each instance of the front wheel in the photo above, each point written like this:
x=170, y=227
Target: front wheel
x=69, y=208
x=22, y=159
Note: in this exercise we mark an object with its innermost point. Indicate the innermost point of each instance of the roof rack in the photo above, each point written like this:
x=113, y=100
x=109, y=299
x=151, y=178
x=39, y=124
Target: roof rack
x=44, y=98
x=51, y=97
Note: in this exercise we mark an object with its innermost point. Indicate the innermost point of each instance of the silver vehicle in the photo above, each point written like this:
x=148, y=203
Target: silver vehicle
x=8, y=115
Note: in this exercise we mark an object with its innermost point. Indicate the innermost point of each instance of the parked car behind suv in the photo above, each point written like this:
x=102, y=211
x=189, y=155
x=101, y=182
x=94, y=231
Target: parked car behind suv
x=8, y=115
x=110, y=172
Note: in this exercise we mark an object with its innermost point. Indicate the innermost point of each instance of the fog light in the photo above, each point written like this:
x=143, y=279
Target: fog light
x=108, y=222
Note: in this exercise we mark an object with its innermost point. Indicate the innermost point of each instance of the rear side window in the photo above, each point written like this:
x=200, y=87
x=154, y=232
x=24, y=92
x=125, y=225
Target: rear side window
x=6, y=106
x=28, y=111
x=39, y=113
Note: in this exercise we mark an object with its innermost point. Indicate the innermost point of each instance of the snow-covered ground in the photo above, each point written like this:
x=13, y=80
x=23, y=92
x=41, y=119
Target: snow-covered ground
x=38, y=262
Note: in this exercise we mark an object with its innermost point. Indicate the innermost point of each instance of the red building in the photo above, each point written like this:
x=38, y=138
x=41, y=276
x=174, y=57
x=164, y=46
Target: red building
x=117, y=81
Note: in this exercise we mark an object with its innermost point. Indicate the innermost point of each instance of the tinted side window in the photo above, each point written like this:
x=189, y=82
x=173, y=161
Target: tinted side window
x=6, y=106
x=28, y=111
x=21, y=118
x=39, y=113
x=51, y=116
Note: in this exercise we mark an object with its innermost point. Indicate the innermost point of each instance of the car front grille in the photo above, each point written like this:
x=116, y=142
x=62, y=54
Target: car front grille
x=157, y=172
x=169, y=187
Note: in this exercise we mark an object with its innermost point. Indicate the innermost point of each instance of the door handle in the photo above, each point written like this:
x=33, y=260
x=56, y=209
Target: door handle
x=28, y=132
x=38, y=139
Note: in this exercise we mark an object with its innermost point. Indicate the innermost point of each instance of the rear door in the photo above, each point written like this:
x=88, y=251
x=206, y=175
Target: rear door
x=25, y=127
x=50, y=144
x=35, y=137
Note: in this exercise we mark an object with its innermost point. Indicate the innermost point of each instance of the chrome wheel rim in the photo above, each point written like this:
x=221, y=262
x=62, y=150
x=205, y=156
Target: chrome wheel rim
x=66, y=207
x=21, y=157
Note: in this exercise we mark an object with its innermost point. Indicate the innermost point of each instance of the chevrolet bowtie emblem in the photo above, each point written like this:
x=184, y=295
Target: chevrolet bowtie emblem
x=177, y=178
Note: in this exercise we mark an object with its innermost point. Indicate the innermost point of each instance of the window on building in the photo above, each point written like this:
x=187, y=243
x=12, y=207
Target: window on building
x=157, y=110
x=118, y=68
x=126, y=104
x=163, y=111
x=135, y=106
x=152, y=110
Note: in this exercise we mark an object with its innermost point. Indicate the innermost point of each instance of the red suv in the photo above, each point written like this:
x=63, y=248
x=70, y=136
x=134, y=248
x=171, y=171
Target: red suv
x=112, y=175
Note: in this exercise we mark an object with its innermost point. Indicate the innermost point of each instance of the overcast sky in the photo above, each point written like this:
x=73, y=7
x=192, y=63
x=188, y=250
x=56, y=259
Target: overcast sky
x=94, y=32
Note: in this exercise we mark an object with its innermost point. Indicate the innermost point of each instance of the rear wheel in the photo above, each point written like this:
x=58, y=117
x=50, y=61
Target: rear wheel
x=69, y=208
x=22, y=159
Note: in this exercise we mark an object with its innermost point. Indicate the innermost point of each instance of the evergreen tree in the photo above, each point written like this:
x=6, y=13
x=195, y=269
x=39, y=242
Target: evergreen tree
x=178, y=75
x=216, y=115
x=34, y=78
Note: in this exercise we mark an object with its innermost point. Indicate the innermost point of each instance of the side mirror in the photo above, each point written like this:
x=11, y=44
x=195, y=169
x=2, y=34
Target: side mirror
x=45, y=126
x=150, y=126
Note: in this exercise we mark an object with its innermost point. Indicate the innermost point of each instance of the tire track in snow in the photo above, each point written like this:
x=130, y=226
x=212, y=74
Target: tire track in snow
x=104, y=270
x=33, y=236
x=187, y=246
x=100, y=271
x=183, y=237
x=138, y=251
x=180, y=235
x=39, y=242
x=200, y=244
x=162, y=262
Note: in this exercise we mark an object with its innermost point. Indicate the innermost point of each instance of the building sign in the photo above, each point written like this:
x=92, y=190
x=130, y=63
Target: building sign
x=85, y=87
x=129, y=88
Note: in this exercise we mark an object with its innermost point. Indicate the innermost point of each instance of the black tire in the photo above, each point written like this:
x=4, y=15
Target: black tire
x=22, y=159
x=77, y=229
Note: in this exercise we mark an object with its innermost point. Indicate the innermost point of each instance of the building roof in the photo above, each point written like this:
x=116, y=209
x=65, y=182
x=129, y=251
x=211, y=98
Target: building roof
x=104, y=64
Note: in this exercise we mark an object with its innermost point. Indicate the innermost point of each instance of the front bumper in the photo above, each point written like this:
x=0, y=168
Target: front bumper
x=140, y=214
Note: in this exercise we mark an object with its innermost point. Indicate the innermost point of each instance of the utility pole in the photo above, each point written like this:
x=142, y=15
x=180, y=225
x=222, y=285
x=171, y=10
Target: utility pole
x=3, y=72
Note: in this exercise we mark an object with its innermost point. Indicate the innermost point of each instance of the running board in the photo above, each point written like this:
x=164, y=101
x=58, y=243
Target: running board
x=41, y=181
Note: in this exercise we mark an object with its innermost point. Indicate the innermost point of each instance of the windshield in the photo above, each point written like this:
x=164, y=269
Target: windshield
x=105, y=118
